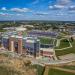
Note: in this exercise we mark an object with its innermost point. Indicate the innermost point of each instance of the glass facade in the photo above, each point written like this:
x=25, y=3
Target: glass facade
x=31, y=47
x=5, y=42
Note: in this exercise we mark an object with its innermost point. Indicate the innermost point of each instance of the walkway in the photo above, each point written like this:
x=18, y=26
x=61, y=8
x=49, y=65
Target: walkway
x=65, y=47
x=46, y=70
x=58, y=43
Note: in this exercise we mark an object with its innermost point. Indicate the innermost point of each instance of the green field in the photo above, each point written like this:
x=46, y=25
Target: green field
x=40, y=69
x=66, y=51
x=24, y=33
x=44, y=40
x=63, y=44
x=69, y=67
x=58, y=72
x=2, y=30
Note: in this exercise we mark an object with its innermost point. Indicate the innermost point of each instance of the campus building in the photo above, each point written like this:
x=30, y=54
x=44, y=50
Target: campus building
x=39, y=33
x=20, y=44
x=28, y=44
x=47, y=52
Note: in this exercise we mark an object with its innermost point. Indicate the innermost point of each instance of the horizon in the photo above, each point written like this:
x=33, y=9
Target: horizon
x=51, y=10
x=36, y=20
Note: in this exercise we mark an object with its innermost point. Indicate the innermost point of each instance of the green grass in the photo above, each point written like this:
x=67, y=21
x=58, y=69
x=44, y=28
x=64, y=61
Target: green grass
x=63, y=44
x=66, y=51
x=58, y=72
x=65, y=33
x=55, y=42
x=69, y=67
x=40, y=69
x=59, y=37
x=46, y=40
x=1, y=30
x=24, y=33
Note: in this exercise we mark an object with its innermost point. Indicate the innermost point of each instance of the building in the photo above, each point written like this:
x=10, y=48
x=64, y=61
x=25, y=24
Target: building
x=32, y=45
x=47, y=52
x=39, y=33
x=28, y=44
x=19, y=44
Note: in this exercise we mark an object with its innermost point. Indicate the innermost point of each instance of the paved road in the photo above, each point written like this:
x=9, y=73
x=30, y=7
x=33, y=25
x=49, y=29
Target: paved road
x=52, y=62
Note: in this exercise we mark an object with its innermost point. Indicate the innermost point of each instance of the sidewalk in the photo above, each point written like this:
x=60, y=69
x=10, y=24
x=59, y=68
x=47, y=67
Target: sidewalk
x=46, y=70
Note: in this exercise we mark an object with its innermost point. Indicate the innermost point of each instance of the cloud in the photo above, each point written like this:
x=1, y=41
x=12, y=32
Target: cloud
x=20, y=9
x=71, y=12
x=41, y=13
x=56, y=7
x=51, y=7
x=72, y=7
x=5, y=14
x=3, y=8
x=63, y=2
x=9, y=14
x=60, y=4
x=61, y=14
x=16, y=9
x=19, y=14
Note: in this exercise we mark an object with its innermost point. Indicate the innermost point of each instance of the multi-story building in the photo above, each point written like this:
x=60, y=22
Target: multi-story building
x=28, y=44
x=19, y=44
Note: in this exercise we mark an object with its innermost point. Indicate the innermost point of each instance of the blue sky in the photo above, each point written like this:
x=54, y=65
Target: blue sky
x=37, y=10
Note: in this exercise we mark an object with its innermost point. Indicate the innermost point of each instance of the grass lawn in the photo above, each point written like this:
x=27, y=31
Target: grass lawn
x=1, y=30
x=55, y=42
x=46, y=40
x=40, y=69
x=66, y=51
x=63, y=44
x=59, y=37
x=24, y=33
x=58, y=72
x=69, y=67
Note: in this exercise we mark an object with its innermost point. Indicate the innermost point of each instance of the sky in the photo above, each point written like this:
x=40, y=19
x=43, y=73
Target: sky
x=60, y=10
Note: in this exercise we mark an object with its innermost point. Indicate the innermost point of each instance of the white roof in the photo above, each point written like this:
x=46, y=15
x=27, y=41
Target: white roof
x=7, y=28
x=13, y=36
x=20, y=29
x=29, y=26
x=47, y=49
x=30, y=41
x=16, y=36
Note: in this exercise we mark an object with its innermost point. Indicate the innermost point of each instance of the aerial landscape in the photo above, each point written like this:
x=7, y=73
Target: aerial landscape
x=37, y=37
